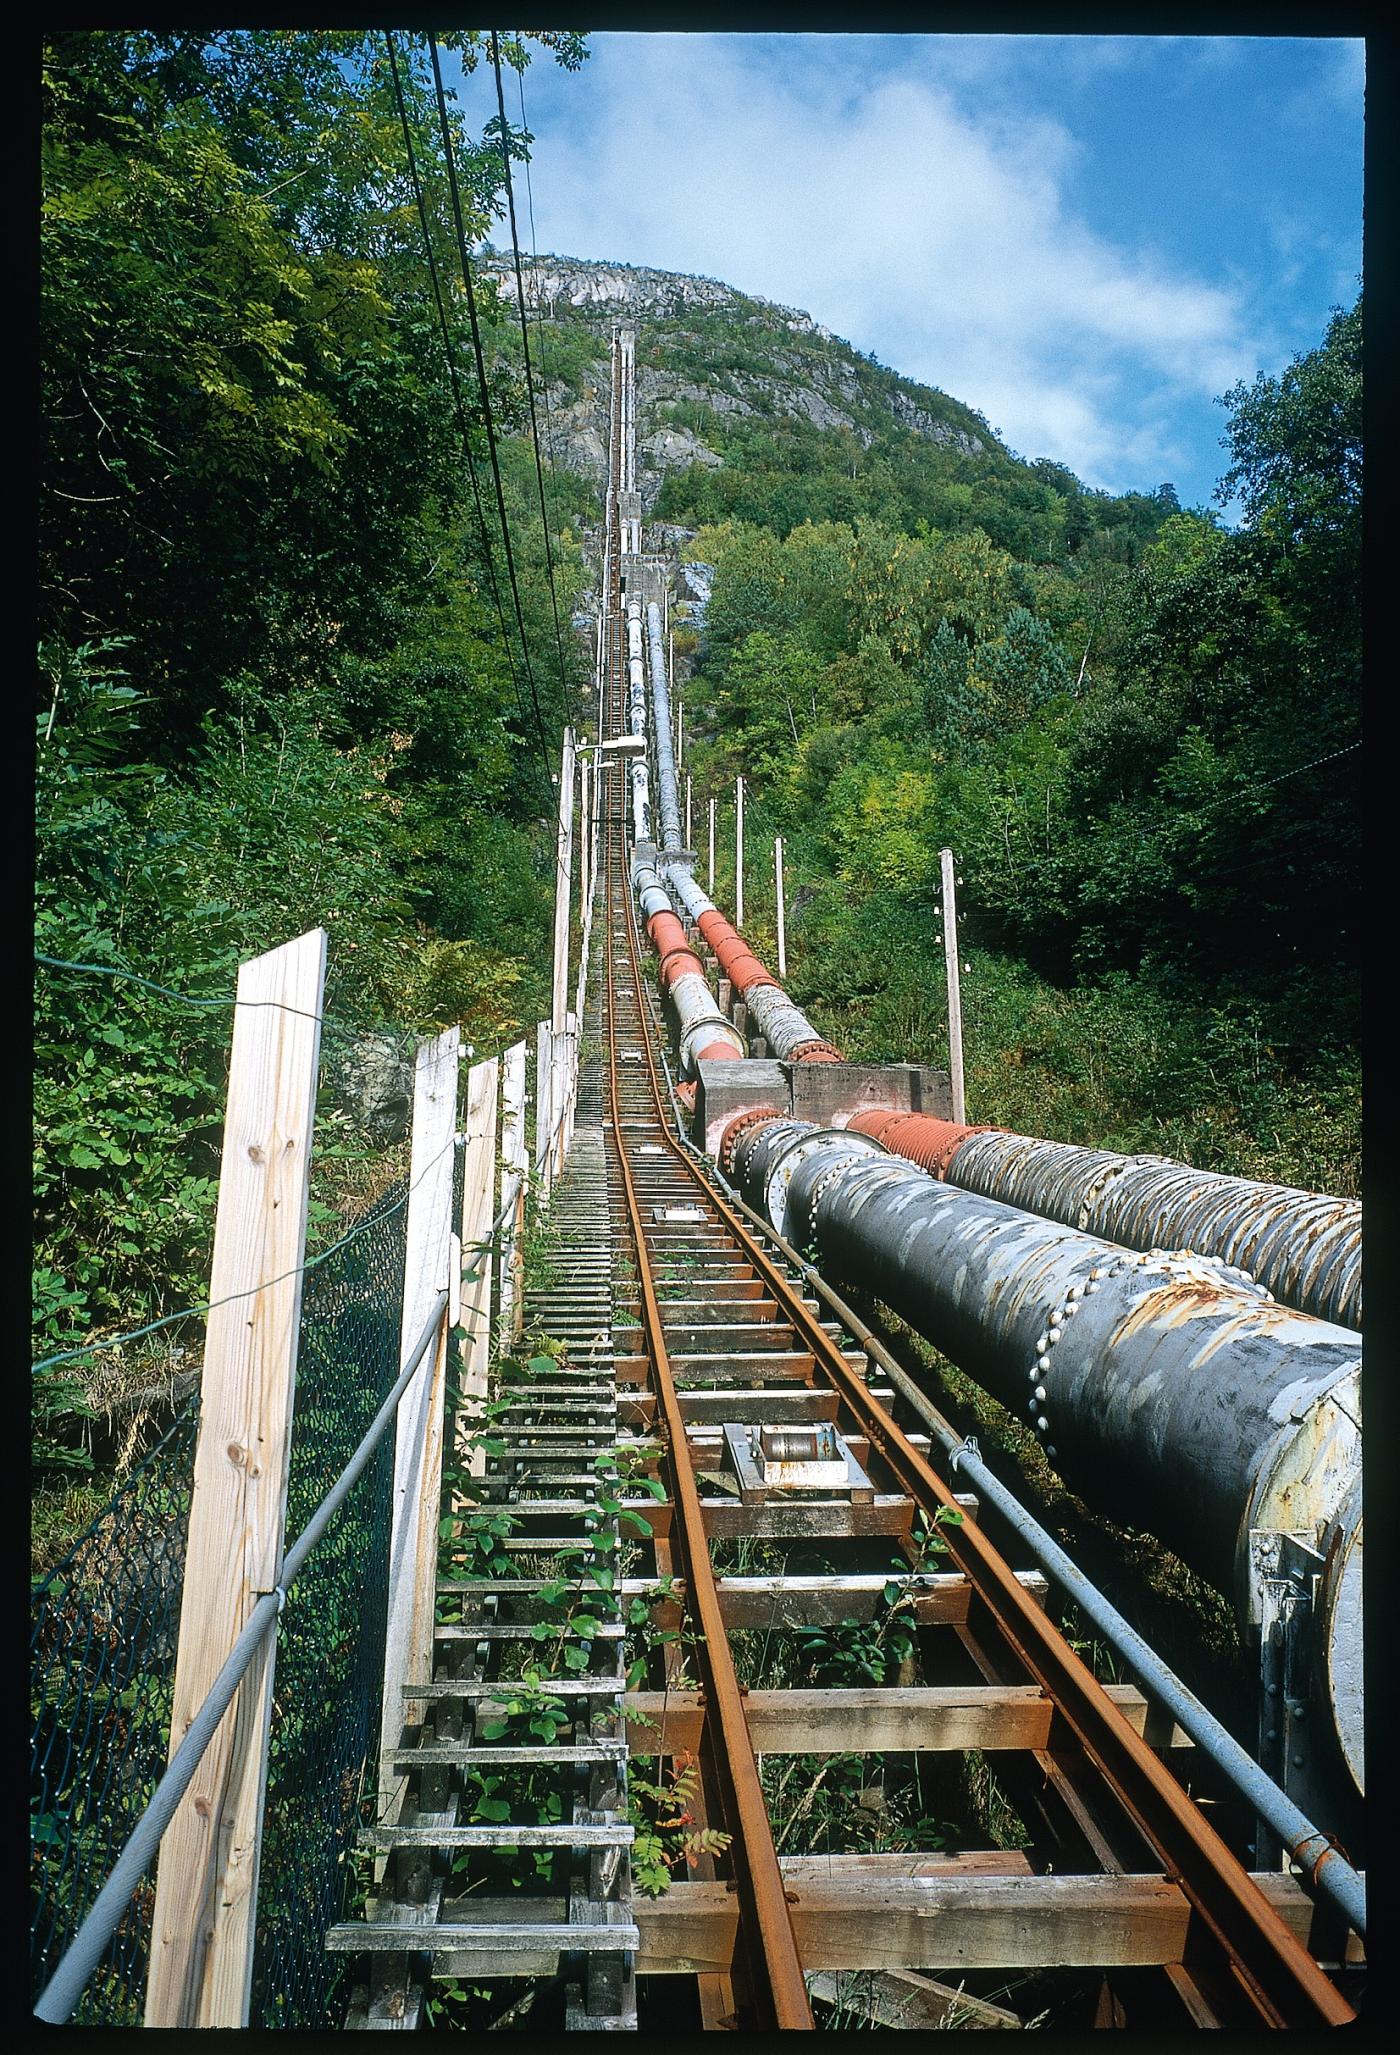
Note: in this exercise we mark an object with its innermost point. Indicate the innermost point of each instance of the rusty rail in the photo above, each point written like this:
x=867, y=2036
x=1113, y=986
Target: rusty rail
x=776, y=1987
x=1274, y=1973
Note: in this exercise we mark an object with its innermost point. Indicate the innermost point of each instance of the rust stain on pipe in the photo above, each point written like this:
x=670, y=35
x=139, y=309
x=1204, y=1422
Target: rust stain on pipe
x=759, y=1116
x=922, y=1139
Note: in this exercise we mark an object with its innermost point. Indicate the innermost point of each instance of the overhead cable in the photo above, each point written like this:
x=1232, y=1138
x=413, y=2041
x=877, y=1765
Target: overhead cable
x=485, y=389
x=525, y=341
x=458, y=402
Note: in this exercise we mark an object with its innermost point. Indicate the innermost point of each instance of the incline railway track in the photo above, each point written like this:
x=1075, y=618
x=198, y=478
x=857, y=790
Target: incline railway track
x=724, y=1331
x=696, y=1488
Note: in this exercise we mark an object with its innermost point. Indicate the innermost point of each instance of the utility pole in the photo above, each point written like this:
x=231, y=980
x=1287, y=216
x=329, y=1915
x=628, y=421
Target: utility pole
x=688, y=843
x=950, y=960
x=562, y=881
x=710, y=888
x=680, y=735
x=778, y=888
x=739, y=853
x=552, y=1070
x=585, y=829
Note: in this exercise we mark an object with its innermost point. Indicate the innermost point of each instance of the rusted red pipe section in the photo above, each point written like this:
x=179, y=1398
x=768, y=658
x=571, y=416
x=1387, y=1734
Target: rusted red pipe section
x=747, y=974
x=1302, y=1246
x=815, y=1052
x=736, y=960
x=930, y=1143
x=677, y=957
x=678, y=961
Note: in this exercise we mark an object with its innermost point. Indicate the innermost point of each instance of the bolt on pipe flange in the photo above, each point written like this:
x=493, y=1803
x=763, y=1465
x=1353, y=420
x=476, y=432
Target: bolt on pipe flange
x=738, y=1128
x=785, y=1162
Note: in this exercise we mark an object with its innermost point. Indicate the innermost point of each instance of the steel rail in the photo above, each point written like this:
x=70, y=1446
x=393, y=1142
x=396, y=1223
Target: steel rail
x=1277, y=1974
x=776, y=1986
x=1326, y=1871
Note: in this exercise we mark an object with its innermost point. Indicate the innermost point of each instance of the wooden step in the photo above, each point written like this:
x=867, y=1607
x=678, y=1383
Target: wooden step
x=438, y=1754
x=499, y=1689
x=501, y=1939
x=501, y=1834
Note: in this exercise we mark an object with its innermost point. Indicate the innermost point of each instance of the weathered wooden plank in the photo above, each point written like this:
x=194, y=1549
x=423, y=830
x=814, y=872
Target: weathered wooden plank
x=947, y=1922
x=478, y=1214
x=418, y=1427
x=899, y=1999
x=505, y=1939
x=1159, y=1731
x=916, y=1720
x=940, y=1599
x=793, y=1519
x=565, y=1835
x=206, y=1887
x=515, y=1164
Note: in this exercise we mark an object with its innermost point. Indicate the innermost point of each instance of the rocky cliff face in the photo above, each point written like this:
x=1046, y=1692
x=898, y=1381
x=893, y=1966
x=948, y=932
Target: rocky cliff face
x=767, y=360
x=560, y=286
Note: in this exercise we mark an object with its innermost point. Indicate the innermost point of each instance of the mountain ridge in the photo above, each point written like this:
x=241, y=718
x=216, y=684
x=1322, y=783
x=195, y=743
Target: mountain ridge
x=760, y=359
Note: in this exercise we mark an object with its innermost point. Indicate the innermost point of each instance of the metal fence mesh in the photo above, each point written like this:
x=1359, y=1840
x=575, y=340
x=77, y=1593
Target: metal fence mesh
x=103, y=1644
x=102, y=1666
x=330, y=1645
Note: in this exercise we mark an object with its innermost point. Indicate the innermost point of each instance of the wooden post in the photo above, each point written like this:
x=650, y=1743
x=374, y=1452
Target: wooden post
x=950, y=960
x=778, y=889
x=515, y=1165
x=582, y=829
x=201, y=1962
x=544, y=1092
x=739, y=853
x=418, y=1428
x=568, y=1069
x=563, y=877
x=478, y=1214
x=710, y=888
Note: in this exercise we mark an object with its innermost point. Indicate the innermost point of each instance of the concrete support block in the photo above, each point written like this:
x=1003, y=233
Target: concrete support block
x=826, y=1093
x=728, y=1089
x=829, y=1093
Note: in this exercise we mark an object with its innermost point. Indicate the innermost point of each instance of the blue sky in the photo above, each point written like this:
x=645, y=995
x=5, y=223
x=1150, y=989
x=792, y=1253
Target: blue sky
x=1085, y=238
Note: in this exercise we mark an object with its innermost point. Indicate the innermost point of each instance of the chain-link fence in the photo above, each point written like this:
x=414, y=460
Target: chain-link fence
x=322, y=1764
x=102, y=1669
x=103, y=1644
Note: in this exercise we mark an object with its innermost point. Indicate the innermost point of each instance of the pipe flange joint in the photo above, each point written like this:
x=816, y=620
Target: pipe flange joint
x=738, y=1128
x=780, y=1171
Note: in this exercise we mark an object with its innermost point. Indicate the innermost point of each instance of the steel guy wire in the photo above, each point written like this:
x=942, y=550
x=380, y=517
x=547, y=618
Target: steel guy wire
x=525, y=341
x=118, y=1341
x=543, y=751
x=458, y=401
x=451, y=162
x=539, y=322
x=112, y=970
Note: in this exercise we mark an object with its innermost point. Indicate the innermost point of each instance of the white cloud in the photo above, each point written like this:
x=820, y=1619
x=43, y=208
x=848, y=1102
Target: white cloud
x=930, y=228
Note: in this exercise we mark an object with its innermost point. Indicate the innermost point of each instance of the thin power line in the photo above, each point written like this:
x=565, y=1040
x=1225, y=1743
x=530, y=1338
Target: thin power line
x=485, y=389
x=458, y=401
x=332, y=1023
x=539, y=321
x=119, y=1341
x=525, y=339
